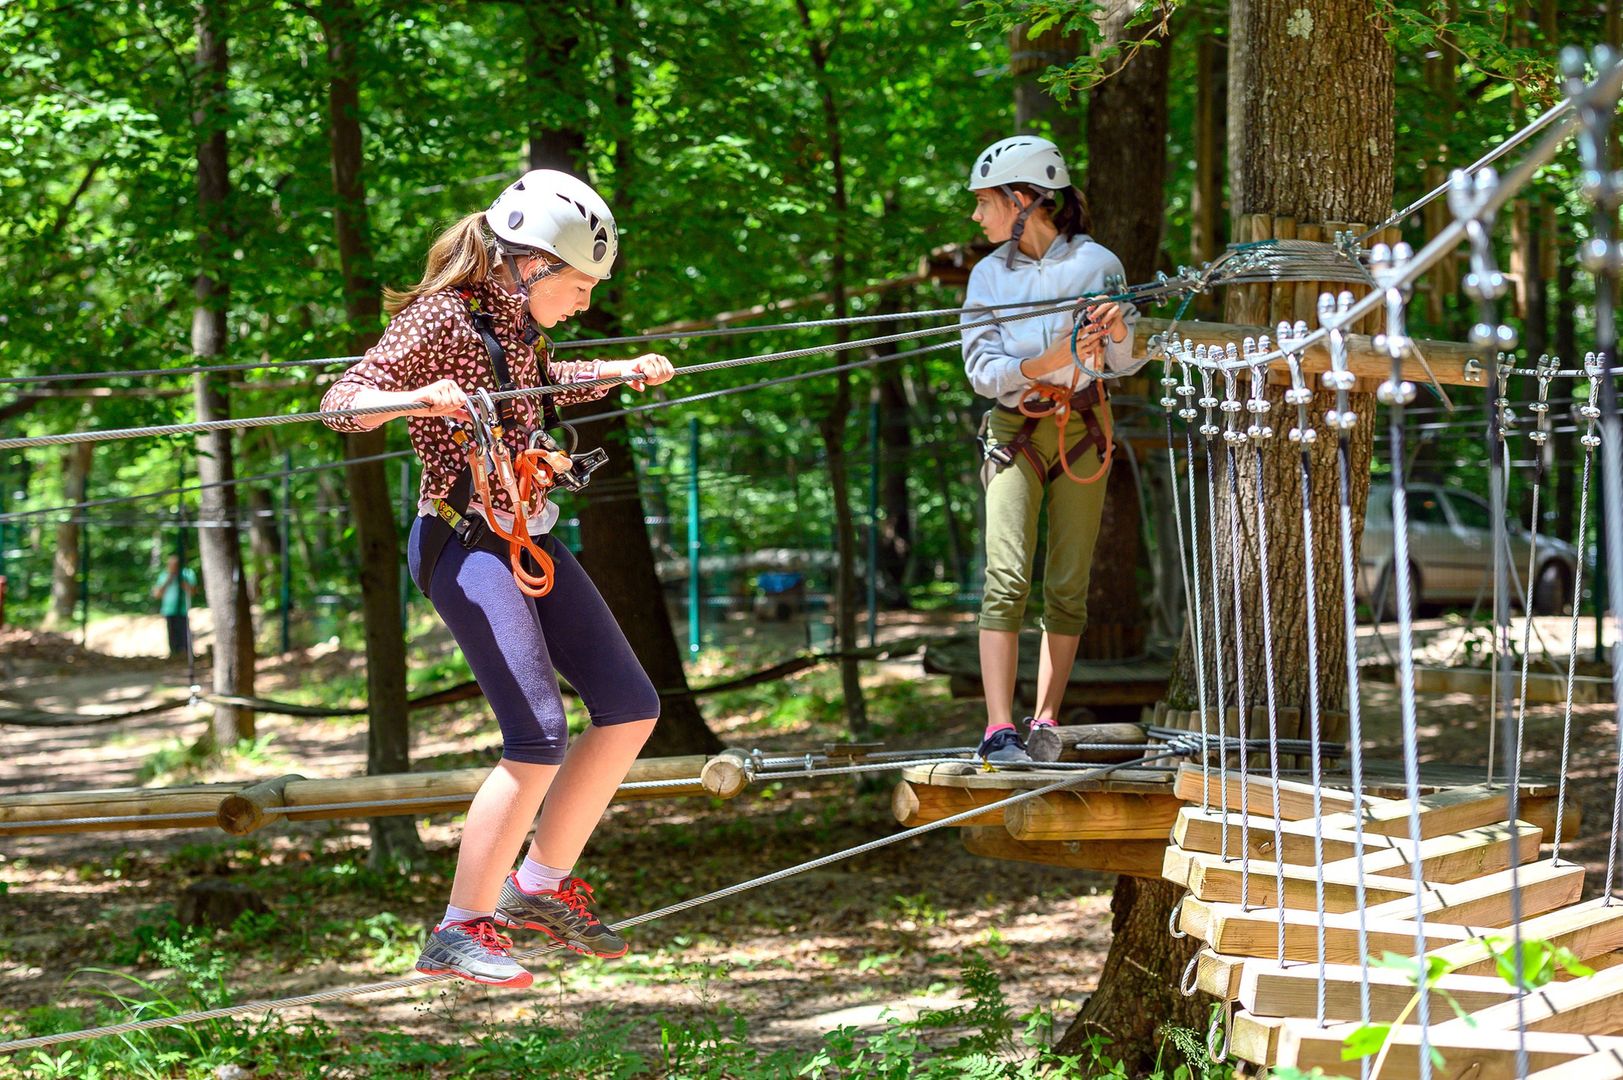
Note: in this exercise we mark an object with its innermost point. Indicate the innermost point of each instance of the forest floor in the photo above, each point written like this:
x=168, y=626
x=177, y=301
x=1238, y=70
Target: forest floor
x=84, y=914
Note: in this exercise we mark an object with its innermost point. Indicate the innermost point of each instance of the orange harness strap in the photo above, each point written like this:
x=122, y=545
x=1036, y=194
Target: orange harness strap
x=526, y=484
x=1100, y=433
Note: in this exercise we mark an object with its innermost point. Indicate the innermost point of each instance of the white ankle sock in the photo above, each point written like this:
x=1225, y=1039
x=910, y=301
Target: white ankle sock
x=454, y=914
x=539, y=877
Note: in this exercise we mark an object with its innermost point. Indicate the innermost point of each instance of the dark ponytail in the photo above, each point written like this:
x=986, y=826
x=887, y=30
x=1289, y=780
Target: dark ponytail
x=1072, y=217
x=1067, y=207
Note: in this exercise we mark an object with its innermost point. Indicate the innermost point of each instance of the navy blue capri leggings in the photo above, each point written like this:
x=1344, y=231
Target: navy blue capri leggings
x=518, y=645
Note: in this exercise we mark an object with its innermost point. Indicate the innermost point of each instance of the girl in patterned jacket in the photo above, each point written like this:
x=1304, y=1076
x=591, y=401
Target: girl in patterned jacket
x=529, y=261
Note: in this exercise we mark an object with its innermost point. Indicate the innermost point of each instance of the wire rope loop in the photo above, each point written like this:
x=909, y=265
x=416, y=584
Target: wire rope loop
x=1172, y=918
x=1191, y=976
x=1222, y=1019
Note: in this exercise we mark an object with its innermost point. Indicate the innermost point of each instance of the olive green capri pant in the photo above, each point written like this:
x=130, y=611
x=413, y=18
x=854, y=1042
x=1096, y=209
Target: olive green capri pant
x=1013, y=499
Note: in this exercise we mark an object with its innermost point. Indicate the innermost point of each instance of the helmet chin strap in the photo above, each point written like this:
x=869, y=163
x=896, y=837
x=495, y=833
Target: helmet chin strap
x=524, y=284
x=1019, y=223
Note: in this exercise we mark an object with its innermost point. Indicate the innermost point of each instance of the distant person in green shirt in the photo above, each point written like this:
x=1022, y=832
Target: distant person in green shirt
x=174, y=595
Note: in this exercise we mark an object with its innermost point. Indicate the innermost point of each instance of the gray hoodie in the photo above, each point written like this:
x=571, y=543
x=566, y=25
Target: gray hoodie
x=992, y=354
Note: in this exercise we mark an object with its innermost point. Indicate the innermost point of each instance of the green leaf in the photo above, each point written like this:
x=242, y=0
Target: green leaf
x=1365, y=1041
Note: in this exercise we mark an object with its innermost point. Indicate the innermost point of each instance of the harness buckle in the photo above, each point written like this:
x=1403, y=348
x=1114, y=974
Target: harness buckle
x=468, y=528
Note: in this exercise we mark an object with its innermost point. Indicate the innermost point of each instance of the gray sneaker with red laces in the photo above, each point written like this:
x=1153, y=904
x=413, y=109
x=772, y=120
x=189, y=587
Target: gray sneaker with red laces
x=473, y=950
x=565, y=914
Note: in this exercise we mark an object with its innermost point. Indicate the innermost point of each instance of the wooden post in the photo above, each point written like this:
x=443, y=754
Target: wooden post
x=244, y=811
x=1051, y=743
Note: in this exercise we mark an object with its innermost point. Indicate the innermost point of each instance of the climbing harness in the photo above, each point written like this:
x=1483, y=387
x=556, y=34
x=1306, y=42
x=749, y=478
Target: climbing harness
x=526, y=479
x=1058, y=402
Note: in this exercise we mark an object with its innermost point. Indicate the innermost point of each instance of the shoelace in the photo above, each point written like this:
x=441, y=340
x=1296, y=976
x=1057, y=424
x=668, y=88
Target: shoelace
x=576, y=894
x=486, y=934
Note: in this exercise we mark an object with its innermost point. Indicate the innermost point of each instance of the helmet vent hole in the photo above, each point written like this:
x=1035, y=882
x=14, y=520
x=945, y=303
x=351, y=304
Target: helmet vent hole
x=1051, y=172
x=519, y=186
x=515, y=219
x=599, y=250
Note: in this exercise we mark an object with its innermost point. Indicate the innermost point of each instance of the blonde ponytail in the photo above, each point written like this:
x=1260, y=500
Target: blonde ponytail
x=459, y=257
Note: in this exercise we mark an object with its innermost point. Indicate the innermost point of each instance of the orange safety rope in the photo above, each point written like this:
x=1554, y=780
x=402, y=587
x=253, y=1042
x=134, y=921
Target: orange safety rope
x=526, y=483
x=1059, y=398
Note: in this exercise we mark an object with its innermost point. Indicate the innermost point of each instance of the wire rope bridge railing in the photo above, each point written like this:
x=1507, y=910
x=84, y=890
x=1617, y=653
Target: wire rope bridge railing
x=1296, y=882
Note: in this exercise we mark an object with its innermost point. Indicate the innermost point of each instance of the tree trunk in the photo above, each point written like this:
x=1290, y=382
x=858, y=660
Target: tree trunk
x=895, y=466
x=224, y=581
x=388, y=738
x=614, y=544
x=1127, y=159
x=1138, y=996
x=553, y=33
x=76, y=461
x=1206, y=233
x=614, y=550
x=1315, y=158
x=1127, y=128
x=832, y=425
x=1035, y=109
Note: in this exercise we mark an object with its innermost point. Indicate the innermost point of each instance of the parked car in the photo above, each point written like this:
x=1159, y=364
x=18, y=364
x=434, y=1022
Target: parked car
x=1451, y=554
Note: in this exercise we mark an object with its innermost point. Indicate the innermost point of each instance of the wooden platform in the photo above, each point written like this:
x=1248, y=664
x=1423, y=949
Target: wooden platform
x=1115, y=824
x=1467, y=850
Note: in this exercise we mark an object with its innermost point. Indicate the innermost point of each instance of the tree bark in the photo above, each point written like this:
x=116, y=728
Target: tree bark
x=1127, y=158
x=896, y=562
x=553, y=32
x=388, y=739
x=76, y=460
x=1138, y=991
x=1035, y=109
x=832, y=424
x=219, y=543
x=1127, y=128
x=1319, y=157
x=614, y=543
x=614, y=550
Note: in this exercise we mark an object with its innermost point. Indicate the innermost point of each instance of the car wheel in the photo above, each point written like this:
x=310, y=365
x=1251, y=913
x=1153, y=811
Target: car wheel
x=1386, y=594
x=1551, y=590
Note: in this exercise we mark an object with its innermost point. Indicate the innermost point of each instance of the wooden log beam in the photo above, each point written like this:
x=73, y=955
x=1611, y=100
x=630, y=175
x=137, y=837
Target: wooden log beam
x=1480, y=1055
x=919, y=804
x=727, y=774
x=1093, y=815
x=241, y=813
x=1451, y=361
x=233, y=807
x=1137, y=858
x=1076, y=742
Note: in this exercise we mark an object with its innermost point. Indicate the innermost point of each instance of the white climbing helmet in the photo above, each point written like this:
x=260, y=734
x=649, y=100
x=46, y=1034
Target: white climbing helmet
x=551, y=211
x=1023, y=159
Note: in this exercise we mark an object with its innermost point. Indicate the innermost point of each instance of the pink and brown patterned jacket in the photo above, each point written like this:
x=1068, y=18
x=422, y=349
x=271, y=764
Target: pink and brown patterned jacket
x=434, y=338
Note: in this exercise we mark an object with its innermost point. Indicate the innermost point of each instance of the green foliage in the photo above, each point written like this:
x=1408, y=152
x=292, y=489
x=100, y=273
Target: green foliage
x=1535, y=964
